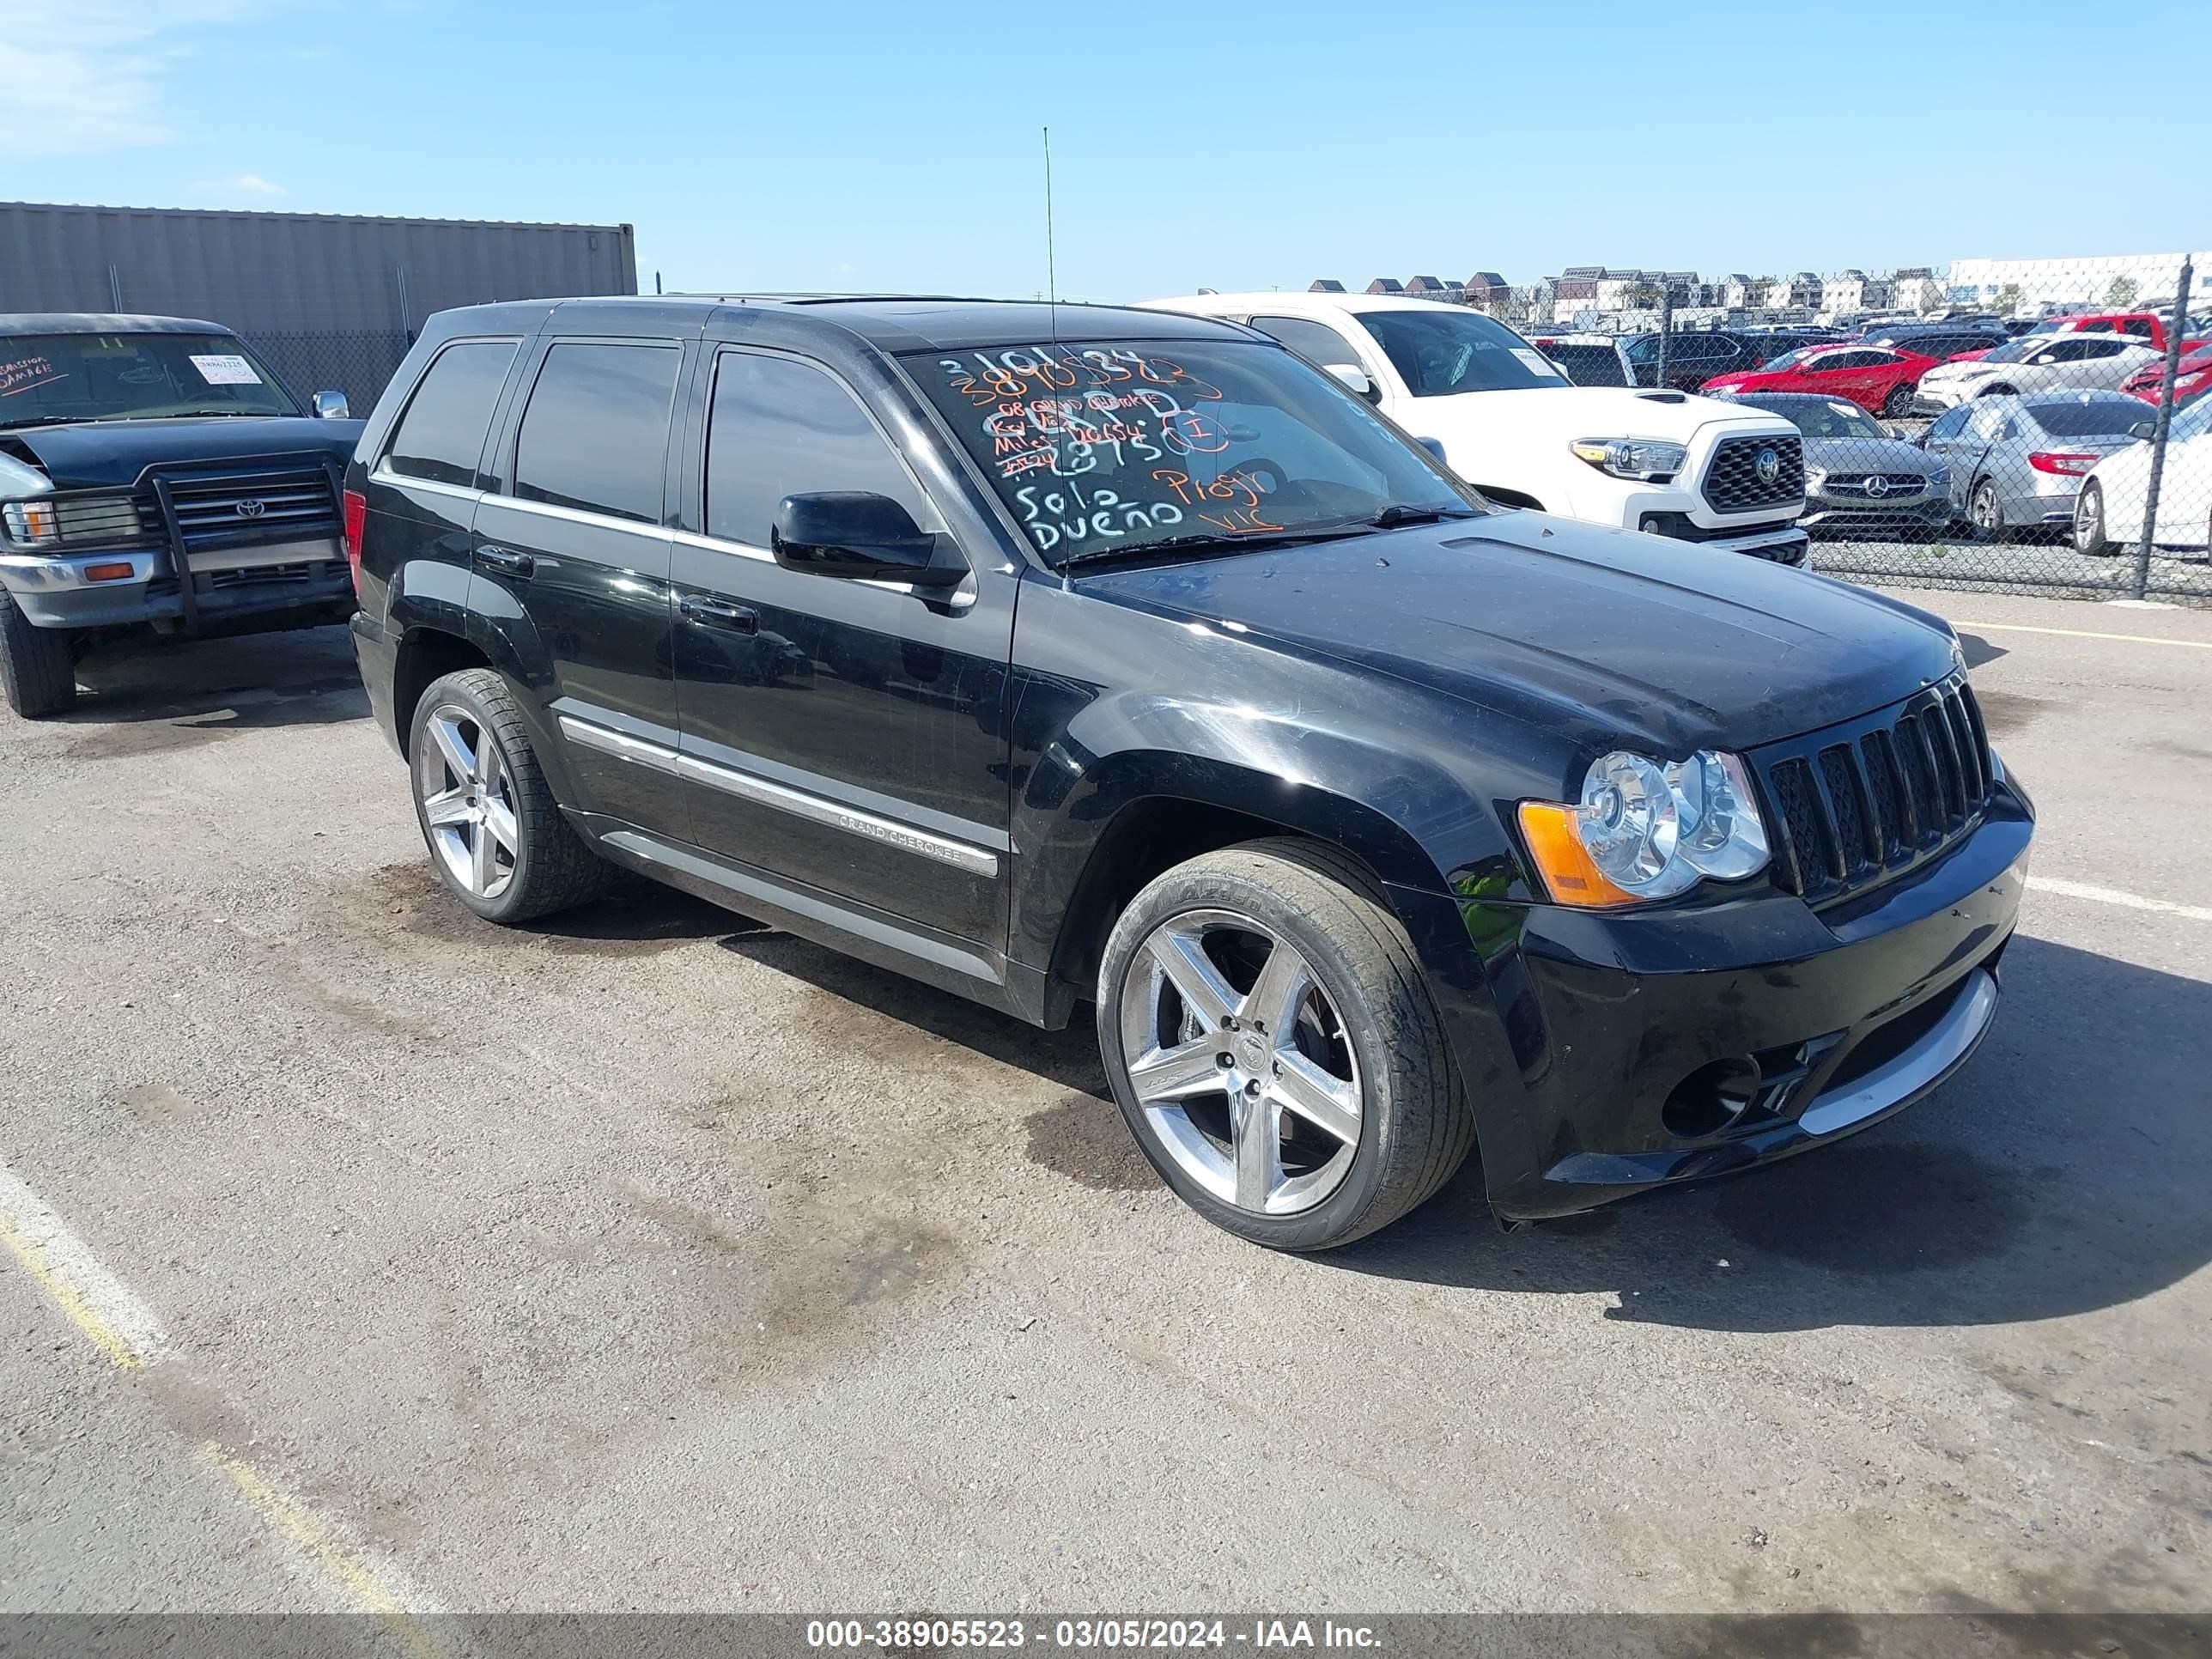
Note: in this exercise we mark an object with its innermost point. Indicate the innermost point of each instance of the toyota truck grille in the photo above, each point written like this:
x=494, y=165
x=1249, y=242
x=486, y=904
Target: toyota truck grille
x=1865, y=805
x=239, y=508
x=1736, y=481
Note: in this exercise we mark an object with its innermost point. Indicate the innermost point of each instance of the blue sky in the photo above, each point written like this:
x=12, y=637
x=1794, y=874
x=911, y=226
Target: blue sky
x=864, y=144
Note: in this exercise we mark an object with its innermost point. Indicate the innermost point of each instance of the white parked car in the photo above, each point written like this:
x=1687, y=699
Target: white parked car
x=2108, y=513
x=1505, y=419
x=2035, y=363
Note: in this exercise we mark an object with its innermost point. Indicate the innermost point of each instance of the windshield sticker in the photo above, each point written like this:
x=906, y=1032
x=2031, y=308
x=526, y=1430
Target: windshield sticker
x=26, y=374
x=227, y=369
x=1052, y=414
x=1534, y=362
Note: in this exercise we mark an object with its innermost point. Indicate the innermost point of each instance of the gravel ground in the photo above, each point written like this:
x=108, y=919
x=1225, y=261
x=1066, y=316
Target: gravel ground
x=652, y=1259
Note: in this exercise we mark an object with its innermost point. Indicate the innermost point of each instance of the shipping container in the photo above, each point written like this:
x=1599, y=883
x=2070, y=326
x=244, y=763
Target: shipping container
x=331, y=300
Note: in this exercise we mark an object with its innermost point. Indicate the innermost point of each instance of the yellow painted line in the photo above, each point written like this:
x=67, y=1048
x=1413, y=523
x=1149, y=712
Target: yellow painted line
x=61, y=1264
x=2080, y=890
x=2087, y=634
x=129, y=1336
x=300, y=1524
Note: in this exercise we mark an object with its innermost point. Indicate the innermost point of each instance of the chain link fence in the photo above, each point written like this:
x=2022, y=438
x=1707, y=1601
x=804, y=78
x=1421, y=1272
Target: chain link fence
x=2016, y=426
x=360, y=365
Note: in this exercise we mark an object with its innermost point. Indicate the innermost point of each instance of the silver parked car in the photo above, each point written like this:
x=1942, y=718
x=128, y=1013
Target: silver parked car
x=1859, y=475
x=2017, y=462
x=2034, y=363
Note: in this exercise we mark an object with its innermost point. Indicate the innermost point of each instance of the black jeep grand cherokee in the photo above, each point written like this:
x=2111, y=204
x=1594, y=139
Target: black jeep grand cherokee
x=1055, y=655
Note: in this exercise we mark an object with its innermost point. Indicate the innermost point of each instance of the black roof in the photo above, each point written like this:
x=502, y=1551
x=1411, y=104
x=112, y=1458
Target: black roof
x=894, y=322
x=101, y=322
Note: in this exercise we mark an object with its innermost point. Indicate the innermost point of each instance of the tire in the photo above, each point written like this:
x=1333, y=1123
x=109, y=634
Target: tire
x=1898, y=404
x=1985, y=512
x=38, y=671
x=2090, y=536
x=506, y=851
x=1363, y=1028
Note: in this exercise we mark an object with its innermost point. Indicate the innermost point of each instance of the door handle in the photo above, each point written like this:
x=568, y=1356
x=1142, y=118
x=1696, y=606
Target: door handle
x=509, y=561
x=715, y=613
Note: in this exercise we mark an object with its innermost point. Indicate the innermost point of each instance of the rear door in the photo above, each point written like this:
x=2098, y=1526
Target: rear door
x=572, y=557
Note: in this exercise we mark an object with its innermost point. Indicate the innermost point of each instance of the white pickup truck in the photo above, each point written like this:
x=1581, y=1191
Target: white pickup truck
x=1505, y=419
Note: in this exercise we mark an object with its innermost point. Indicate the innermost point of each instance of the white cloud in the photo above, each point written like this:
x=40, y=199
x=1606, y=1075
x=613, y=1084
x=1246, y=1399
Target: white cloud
x=83, y=75
x=239, y=184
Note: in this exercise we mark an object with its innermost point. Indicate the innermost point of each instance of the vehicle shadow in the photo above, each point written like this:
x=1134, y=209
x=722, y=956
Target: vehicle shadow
x=2060, y=1172
x=306, y=677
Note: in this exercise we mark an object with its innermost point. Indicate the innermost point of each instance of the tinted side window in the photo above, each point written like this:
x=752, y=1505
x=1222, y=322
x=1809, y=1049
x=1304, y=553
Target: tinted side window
x=595, y=434
x=442, y=436
x=780, y=428
x=1317, y=342
x=1951, y=422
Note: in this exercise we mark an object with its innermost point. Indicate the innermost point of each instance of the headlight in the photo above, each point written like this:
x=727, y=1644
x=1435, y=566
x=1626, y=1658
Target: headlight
x=1647, y=829
x=31, y=524
x=1939, y=478
x=1631, y=457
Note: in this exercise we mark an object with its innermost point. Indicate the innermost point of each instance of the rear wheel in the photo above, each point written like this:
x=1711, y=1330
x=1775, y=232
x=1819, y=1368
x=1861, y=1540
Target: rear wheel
x=2090, y=536
x=1985, y=514
x=38, y=672
x=496, y=835
x=1273, y=1046
x=1898, y=404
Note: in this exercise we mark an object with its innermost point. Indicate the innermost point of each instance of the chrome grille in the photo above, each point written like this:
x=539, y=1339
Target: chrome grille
x=1896, y=486
x=1732, y=484
x=1857, y=809
x=230, y=509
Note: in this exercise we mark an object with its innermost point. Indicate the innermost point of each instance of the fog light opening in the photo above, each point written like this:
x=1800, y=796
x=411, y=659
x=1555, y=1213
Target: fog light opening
x=1710, y=1098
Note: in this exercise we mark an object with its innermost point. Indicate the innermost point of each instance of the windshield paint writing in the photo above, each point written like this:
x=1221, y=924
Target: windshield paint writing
x=24, y=373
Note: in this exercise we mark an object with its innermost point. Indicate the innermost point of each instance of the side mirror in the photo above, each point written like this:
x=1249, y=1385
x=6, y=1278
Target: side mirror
x=858, y=535
x=1356, y=378
x=332, y=406
x=2145, y=430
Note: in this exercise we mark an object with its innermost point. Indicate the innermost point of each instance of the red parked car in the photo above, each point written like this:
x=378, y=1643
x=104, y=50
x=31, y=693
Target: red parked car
x=1878, y=379
x=2192, y=376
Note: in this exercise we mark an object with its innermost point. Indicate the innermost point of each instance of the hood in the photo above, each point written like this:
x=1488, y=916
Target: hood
x=112, y=454
x=1867, y=455
x=1584, y=411
x=1609, y=637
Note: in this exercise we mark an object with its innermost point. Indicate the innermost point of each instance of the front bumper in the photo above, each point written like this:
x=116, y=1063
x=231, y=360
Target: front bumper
x=1783, y=544
x=1871, y=513
x=56, y=591
x=1590, y=1046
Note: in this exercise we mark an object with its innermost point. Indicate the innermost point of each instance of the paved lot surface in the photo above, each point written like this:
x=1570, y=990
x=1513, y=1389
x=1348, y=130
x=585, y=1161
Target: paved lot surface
x=655, y=1260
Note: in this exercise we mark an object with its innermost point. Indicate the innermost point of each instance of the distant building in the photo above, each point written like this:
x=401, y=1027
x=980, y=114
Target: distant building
x=1386, y=285
x=1427, y=288
x=1488, y=290
x=1575, y=288
x=2083, y=281
x=1739, y=293
x=1802, y=290
x=1915, y=288
x=1325, y=285
x=1852, y=289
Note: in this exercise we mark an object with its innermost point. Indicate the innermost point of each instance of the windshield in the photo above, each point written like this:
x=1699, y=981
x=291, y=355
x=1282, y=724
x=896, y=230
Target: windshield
x=1121, y=447
x=1819, y=418
x=1441, y=350
x=2015, y=351
x=110, y=377
x=2097, y=418
x=1787, y=360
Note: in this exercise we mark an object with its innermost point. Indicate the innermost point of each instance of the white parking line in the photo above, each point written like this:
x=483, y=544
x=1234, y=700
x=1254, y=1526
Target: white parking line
x=2087, y=634
x=129, y=1333
x=2078, y=889
x=97, y=1302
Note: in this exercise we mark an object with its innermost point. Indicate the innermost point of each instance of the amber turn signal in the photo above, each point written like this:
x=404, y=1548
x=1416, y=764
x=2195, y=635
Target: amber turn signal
x=108, y=573
x=1568, y=874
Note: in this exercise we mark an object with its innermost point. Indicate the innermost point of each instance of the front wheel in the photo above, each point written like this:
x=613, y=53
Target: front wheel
x=38, y=672
x=1898, y=404
x=1271, y=1041
x=495, y=832
x=2089, y=532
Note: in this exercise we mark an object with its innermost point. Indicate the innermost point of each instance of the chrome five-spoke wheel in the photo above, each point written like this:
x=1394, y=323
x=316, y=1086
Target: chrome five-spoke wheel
x=1240, y=1062
x=468, y=806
